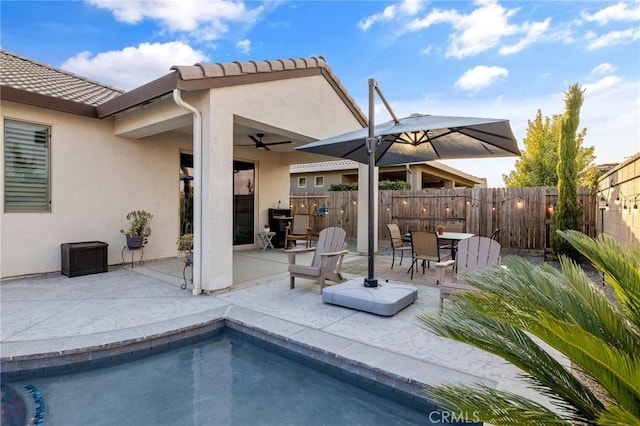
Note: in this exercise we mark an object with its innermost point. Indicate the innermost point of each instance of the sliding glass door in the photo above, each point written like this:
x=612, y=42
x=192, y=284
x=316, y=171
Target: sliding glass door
x=244, y=178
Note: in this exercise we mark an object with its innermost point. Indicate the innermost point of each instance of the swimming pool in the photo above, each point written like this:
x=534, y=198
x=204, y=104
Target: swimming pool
x=231, y=379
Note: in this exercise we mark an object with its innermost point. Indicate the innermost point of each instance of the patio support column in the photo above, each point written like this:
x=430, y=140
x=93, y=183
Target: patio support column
x=197, y=194
x=217, y=197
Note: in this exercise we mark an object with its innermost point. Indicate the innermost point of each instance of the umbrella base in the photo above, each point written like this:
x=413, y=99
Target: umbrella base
x=387, y=299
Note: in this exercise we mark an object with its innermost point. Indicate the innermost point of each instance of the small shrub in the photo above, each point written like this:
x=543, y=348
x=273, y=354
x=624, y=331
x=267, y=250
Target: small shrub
x=398, y=185
x=384, y=185
x=343, y=187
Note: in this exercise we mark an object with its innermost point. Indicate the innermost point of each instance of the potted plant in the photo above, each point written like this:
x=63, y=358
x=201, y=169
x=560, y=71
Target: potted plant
x=138, y=229
x=440, y=229
x=185, y=243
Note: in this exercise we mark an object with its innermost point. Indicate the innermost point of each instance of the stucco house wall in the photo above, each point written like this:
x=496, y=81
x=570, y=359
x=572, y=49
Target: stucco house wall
x=102, y=168
x=96, y=178
x=431, y=174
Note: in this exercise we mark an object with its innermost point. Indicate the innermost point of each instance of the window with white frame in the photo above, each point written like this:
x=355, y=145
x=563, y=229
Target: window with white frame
x=319, y=181
x=26, y=167
x=302, y=182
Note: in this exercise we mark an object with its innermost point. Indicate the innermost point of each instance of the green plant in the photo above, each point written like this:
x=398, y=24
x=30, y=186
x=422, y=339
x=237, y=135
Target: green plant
x=567, y=209
x=343, y=187
x=138, y=224
x=398, y=185
x=185, y=242
x=385, y=185
x=569, y=312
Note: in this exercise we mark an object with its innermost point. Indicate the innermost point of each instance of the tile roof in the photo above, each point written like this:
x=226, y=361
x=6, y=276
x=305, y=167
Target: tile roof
x=25, y=74
x=28, y=76
x=256, y=68
x=323, y=165
x=225, y=69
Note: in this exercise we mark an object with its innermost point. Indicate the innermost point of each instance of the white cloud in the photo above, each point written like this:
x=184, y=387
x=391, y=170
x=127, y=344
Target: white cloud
x=603, y=68
x=602, y=84
x=484, y=28
x=617, y=12
x=533, y=33
x=480, y=76
x=133, y=66
x=244, y=46
x=202, y=19
x=405, y=8
x=613, y=38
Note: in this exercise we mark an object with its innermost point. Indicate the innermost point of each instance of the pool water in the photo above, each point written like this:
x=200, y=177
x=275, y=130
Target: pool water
x=227, y=380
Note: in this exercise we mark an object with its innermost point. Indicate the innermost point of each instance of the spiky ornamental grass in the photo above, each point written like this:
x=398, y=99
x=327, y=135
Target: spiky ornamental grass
x=566, y=310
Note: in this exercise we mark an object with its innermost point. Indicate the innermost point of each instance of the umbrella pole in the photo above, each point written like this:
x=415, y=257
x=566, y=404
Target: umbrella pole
x=372, y=143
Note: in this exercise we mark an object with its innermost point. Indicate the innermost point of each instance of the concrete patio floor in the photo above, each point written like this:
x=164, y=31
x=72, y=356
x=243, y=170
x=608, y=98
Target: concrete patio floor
x=54, y=314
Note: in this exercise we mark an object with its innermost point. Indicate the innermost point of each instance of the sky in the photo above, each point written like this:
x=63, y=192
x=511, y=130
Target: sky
x=485, y=58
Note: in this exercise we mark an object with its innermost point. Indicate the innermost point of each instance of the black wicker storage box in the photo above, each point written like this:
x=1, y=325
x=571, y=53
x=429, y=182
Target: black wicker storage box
x=84, y=258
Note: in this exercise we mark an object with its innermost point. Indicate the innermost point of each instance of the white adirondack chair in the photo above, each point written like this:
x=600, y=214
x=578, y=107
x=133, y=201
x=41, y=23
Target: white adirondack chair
x=472, y=254
x=327, y=259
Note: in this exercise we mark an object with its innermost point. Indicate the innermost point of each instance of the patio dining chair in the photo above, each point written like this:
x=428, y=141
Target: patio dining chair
x=299, y=230
x=474, y=253
x=424, y=249
x=327, y=258
x=397, y=243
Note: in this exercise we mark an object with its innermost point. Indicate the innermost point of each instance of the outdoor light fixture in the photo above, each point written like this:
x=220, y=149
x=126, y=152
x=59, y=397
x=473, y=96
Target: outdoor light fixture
x=603, y=203
x=617, y=200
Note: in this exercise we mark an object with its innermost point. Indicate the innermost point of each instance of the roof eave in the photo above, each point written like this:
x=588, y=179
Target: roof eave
x=152, y=90
x=171, y=81
x=12, y=94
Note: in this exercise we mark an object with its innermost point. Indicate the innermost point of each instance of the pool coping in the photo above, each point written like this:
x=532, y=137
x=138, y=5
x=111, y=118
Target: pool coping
x=402, y=374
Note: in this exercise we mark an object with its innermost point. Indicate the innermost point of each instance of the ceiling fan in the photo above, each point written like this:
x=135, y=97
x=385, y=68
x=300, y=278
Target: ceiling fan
x=257, y=140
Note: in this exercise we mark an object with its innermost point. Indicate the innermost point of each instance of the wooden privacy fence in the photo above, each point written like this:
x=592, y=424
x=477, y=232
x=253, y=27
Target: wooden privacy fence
x=522, y=214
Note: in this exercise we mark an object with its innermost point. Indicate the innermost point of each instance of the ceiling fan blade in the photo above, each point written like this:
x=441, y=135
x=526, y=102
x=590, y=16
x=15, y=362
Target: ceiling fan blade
x=277, y=143
x=256, y=141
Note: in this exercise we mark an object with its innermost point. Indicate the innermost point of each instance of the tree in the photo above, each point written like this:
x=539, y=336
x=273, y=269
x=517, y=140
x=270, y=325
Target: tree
x=566, y=310
x=538, y=161
x=567, y=210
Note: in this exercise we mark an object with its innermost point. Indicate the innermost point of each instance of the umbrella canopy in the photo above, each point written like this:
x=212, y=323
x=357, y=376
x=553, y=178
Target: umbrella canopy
x=414, y=139
x=420, y=138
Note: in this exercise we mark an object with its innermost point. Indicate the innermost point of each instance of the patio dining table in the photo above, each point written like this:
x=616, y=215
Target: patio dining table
x=452, y=237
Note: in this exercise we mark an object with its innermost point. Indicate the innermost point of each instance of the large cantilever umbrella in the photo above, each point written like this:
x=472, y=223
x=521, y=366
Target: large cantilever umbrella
x=414, y=139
